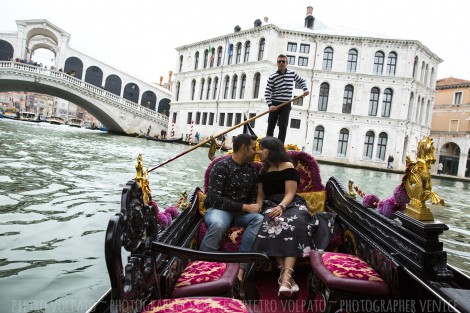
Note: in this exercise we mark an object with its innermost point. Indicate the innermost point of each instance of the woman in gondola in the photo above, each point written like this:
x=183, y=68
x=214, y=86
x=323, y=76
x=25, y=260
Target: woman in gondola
x=285, y=231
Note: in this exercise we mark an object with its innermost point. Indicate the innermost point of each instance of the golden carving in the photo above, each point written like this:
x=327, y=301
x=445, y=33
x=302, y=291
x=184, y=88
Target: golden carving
x=417, y=180
x=351, y=193
x=184, y=203
x=142, y=179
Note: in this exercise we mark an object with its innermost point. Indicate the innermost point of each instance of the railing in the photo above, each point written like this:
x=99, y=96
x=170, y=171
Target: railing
x=80, y=85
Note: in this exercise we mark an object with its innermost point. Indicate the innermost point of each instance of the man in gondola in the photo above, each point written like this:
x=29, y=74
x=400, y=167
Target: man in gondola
x=231, y=198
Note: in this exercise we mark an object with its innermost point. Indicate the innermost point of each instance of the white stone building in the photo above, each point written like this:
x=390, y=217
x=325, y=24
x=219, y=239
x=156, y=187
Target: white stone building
x=370, y=96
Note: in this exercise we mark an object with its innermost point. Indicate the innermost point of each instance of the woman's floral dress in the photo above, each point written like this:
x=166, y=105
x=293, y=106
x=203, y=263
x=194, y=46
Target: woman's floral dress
x=289, y=234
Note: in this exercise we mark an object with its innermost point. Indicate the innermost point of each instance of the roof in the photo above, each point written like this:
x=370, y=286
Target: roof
x=451, y=82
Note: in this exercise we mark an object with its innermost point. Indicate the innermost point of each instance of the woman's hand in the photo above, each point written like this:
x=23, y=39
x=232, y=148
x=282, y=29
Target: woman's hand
x=276, y=212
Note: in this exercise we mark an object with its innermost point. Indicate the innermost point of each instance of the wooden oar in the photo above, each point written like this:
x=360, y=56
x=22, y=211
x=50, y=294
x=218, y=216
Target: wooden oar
x=224, y=132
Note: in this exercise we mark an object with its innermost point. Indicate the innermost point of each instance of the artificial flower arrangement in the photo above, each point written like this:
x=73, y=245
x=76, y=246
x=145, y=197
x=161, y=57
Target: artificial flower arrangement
x=388, y=206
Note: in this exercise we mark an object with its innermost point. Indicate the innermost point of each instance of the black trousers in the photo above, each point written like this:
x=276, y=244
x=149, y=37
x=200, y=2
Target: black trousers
x=281, y=115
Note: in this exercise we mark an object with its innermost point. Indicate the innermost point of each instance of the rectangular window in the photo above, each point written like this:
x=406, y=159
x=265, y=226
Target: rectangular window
x=458, y=98
x=294, y=123
x=204, y=118
x=298, y=102
x=291, y=47
x=238, y=118
x=198, y=118
x=229, y=119
x=190, y=117
x=211, y=118
x=303, y=61
x=304, y=48
x=290, y=59
x=252, y=123
x=221, y=119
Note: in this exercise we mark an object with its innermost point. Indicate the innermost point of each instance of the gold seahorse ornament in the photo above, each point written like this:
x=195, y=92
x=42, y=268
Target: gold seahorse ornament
x=417, y=180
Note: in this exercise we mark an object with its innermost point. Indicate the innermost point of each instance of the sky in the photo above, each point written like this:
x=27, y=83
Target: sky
x=140, y=36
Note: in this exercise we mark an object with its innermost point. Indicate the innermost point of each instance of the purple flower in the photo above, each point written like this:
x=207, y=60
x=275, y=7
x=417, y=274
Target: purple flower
x=154, y=205
x=370, y=201
x=400, y=195
x=173, y=211
x=388, y=207
x=164, y=219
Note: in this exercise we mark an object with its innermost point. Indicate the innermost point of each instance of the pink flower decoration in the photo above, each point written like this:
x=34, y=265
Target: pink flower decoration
x=370, y=201
x=388, y=207
x=400, y=195
x=164, y=219
x=173, y=211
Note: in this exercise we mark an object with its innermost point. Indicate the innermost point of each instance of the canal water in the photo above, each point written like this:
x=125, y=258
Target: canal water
x=59, y=186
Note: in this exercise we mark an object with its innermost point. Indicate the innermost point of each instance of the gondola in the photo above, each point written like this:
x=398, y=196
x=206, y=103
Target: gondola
x=170, y=140
x=394, y=264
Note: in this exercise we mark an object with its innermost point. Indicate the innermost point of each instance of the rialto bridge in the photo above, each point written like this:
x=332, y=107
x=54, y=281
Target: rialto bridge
x=122, y=103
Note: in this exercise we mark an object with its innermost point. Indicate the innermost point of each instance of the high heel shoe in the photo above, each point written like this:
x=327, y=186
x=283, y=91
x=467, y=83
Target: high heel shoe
x=294, y=287
x=284, y=290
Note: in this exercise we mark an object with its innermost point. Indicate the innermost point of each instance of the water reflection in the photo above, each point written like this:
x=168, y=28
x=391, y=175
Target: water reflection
x=59, y=186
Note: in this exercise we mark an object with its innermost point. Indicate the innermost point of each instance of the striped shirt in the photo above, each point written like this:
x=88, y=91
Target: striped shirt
x=279, y=87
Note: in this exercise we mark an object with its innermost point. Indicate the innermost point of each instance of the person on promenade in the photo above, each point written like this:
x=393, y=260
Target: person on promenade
x=148, y=130
x=231, y=198
x=197, y=137
x=439, y=168
x=279, y=90
x=390, y=161
x=285, y=231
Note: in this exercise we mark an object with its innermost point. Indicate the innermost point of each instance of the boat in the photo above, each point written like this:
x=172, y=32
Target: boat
x=56, y=120
x=75, y=122
x=401, y=257
x=29, y=117
x=170, y=140
x=11, y=113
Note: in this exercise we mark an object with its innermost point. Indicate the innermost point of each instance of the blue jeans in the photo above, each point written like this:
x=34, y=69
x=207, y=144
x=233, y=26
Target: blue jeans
x=219, y=221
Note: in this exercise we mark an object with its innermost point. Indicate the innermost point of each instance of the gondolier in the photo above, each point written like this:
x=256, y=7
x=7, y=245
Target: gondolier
x=279, y=90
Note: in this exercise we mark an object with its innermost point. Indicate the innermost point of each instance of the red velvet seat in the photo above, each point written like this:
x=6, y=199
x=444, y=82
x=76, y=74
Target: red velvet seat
x=193, y=305
x=345, y=276
x=201, y=278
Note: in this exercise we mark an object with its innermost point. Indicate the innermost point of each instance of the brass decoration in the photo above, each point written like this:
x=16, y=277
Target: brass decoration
x=351, y=194
x=292, y=147
x=417, y=180
x=184, y=203
x=142, y=179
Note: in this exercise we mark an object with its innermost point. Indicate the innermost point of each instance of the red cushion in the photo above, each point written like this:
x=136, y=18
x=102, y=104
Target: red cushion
x=196, y=305
x=348, y=273
x=200, y=272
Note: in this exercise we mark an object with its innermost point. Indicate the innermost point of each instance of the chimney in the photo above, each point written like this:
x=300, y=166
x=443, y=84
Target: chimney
x=237, y=29
x=161, y=80
x=309, y=19
x=266, y=19
x=309, y=10
x=257, y=23
x=170, y=73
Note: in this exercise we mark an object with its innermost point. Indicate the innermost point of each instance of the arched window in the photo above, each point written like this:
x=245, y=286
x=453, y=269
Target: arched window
x=209, y=83
x=230, y=54
x=113, y=84
x=193, y=89
x=415, y=67
x=216, y=86
x=239, y=53
x=421, y=77
x=352, y=61
x=328, y=59
x=178, y=86
x=227, y=84
x=219, y=56
x=262, y=43
x=181, y=63
x=382, y=146
x=212, y=56
x=318, y=137
x=243, y=86
x=196, y=60
x=343, y=143
x=6, y=50
x=94, y=76
x=391, y=64
x=234, y=86
x=323, y=97
x=387, y=102
x=206, y=57
x=256, y=85
x=369, y=145
x=348, y=99
x=374, y=101
x=247, y=52
x=202, y=89
x=378, y=63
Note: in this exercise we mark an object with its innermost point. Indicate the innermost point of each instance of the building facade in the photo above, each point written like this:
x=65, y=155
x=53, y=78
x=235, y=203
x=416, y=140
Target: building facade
x=450, y=126
x=370, y=96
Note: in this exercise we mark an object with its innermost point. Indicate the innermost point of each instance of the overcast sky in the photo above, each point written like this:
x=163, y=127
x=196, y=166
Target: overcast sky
x=140, y=36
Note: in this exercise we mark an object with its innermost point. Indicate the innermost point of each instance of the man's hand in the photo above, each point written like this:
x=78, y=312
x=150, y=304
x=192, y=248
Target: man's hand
x=251, y=208
x=306, y=93
x=272, y=108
